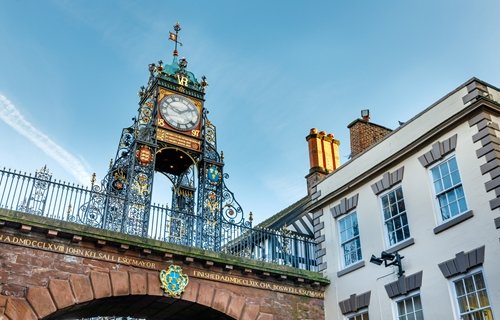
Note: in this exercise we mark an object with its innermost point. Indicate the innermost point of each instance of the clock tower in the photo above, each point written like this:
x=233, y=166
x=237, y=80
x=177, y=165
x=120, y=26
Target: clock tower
x=171, y=137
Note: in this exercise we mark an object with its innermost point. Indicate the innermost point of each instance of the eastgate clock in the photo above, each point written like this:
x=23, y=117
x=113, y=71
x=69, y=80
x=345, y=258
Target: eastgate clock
x=179, y=112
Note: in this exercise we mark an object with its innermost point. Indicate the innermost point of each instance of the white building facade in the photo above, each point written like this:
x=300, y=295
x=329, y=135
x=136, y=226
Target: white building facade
x=429, y=192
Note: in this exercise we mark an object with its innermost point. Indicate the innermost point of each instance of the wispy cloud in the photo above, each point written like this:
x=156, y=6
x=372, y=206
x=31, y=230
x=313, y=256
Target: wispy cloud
x=12, y=117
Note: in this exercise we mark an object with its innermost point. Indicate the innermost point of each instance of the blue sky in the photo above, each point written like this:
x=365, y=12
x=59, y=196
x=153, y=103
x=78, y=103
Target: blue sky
x=70, y=72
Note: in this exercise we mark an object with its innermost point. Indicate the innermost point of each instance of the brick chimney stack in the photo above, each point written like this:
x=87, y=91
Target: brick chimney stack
x=323, y=156
x=364, y=133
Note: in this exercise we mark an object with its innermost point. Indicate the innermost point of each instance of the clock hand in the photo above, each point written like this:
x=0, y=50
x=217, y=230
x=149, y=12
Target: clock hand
x=176, y=109
x=179, y=111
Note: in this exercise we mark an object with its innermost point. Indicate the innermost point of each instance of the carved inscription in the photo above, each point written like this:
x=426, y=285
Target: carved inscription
x=76, y=251
x=154, y=265
x=256, y=284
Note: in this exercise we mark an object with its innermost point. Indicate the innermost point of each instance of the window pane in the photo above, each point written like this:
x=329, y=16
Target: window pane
x=399, y=235
x=483, y=298
x=478, y=278
x=394, y=209
x=406, y=231
x=417, y=303
x=453, y=164
x=469, y=285
x=462, y=205
x=459, y=287
x=454, y=209
x=455, y=177
x=387, y=213
x=390, y=226
x=397, y=223
x=438, y=186
x=404, y=219
x=399, y=193
x=342, y=224
x=435, y=174
x=472, y=299
x=409, y=306
x=447, y=182
x=419, y=315
x=385, y=201
x=462, y=304
x=401, y=308
x=401, y=206
x=392, y=197
x=348, y=222
x=355, y=229
x=452, y=196
x=444, y=169
x=343, y=236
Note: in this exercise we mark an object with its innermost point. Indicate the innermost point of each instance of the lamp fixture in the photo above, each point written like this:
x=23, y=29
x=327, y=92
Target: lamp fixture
x=375, y=260
x=389, y=259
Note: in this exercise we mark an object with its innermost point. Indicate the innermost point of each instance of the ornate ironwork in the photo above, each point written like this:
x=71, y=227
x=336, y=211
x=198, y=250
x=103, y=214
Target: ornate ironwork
x=35, y=203
x=68, y=202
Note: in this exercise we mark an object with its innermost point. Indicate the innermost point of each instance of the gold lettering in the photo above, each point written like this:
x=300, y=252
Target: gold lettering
x=182, y=80
x=88, y=253
x=257, y=284
x=161, y=122
x=195, y=133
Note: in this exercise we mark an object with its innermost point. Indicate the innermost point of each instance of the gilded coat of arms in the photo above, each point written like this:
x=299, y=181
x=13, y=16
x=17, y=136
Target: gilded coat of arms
x=173, y=281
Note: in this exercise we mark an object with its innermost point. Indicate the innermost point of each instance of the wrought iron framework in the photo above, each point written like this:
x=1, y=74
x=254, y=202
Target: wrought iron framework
x=41, y=195
x=201, y=202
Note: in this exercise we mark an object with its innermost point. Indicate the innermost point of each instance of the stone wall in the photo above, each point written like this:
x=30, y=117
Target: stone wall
x=45, y=274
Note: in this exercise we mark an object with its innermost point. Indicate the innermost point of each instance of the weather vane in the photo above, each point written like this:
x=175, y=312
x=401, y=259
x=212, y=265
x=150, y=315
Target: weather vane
x=173, y=37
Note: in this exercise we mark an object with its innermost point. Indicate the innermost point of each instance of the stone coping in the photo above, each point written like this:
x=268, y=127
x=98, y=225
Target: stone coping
x=67, y=229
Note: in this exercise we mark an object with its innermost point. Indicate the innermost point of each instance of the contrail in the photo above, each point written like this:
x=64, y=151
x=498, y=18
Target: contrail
x=11, y=116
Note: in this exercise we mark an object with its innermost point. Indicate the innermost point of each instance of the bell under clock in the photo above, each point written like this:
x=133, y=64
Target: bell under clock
x=179, y=112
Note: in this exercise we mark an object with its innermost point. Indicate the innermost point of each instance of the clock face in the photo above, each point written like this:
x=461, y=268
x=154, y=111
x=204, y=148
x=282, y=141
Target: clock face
x=179, y=112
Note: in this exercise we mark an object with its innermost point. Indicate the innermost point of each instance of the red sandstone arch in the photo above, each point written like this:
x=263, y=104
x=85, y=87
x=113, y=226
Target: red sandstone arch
x=41, y=302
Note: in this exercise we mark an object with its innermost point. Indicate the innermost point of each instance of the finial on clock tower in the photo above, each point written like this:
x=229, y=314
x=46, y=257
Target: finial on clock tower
x=173, y=37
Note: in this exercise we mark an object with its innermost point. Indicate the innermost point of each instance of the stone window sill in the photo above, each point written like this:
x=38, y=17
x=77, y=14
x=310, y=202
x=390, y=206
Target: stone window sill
x=400, y=246
x=453, y=222
x=351, y=268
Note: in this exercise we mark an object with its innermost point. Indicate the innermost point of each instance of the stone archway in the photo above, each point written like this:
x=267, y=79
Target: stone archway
x=49, y=268
x=133, y=290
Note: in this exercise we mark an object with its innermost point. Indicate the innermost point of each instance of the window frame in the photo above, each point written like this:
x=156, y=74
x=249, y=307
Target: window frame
x=453, y=291
x=406, y=297
x=342, y=259
x=436, y=194
x=363, y=313
x=384, y=221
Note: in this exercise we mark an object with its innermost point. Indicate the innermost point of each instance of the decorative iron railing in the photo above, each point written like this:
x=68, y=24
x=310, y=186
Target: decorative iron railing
x=42, y=196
